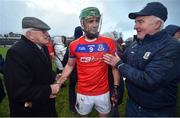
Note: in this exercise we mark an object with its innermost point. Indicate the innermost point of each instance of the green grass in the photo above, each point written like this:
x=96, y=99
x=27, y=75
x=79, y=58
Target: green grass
x=62, y=105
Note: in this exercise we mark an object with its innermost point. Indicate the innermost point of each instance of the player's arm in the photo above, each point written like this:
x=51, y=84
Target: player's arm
x=67, y=70
x=116, y=76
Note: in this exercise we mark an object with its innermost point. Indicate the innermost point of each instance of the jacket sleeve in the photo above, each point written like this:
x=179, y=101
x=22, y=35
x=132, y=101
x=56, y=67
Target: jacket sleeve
x=19, y=79
x=163, y=67
x=65, y=58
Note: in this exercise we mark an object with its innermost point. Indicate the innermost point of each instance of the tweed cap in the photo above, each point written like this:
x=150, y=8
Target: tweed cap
x=32, y=22
x=153, y=8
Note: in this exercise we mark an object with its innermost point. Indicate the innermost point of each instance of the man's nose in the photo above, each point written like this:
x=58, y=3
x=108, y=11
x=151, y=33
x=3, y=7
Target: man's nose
x=135, y=26
x=95, y=23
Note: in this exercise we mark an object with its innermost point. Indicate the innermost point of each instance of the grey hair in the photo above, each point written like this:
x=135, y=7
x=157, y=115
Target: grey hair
x=155, y=18
x=25, y=30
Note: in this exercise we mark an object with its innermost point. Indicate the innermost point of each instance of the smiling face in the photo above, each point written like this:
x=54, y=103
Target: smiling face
x=146, y=25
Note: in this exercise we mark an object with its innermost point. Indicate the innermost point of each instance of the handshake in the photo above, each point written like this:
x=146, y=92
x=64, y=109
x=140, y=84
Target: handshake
x=55, y=87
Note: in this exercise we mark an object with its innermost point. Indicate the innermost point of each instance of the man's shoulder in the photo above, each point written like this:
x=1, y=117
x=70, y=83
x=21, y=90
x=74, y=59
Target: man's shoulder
x=171, y=42
x=23, y=46
x=105, y=38
x=77, y=40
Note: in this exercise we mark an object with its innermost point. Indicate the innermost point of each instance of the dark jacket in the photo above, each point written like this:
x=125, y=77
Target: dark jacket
x=172, y=29
x=2, y=92
x=28, y=75
x=1, y=64
x=152, y=67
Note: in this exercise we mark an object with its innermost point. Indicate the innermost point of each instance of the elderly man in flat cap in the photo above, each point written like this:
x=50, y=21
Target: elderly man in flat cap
x=151, y=65
x=28, y=73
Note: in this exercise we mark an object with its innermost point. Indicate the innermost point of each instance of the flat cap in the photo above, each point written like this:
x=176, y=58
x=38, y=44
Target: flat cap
x=153, y=8
x=32, y=22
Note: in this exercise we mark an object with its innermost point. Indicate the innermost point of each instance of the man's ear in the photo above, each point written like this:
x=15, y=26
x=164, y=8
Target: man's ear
x=82, y=24
x=157, y=25
x=29, y=36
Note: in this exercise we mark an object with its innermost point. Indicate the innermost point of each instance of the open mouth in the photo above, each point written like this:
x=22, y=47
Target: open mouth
x=138, y=32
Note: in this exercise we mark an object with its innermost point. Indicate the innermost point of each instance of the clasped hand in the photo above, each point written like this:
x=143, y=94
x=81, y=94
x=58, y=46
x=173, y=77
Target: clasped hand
x=55, y=87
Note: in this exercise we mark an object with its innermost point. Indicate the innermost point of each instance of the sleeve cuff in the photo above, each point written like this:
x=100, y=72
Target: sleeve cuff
x=119, y=64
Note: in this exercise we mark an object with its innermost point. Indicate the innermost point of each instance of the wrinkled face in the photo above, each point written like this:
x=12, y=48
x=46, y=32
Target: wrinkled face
x=39, y=36
x=91, y=24
x=145, y=25
x=177, y=35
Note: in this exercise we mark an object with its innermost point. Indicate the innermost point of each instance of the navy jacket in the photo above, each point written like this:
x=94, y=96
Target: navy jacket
x=152, y=67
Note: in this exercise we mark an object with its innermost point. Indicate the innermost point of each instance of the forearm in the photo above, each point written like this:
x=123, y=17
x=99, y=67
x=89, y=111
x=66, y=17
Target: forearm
x=65, y=74
x=116, y=76
x=116, y=89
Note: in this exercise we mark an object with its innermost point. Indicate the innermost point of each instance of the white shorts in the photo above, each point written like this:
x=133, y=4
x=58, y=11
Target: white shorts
x=85, y=103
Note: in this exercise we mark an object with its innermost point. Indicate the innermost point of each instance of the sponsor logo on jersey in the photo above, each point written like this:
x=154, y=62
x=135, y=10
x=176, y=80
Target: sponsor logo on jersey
x=90, y=59
x=82, y=48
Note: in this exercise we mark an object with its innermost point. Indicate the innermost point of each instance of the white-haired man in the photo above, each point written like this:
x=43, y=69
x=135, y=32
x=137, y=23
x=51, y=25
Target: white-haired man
x=28, y=73
x=150, y=64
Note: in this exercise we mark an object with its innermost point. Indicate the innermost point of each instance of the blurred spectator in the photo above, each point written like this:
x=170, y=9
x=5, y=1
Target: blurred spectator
x=2, y=92
x=174, y=31
x=50, y=49
x=59, y=50
x=64, y=41
x=127, y=43
x=119, y=45
x=78, y=32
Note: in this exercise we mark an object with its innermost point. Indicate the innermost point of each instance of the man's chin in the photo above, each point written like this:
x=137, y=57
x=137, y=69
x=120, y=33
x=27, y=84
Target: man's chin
x=140, y=37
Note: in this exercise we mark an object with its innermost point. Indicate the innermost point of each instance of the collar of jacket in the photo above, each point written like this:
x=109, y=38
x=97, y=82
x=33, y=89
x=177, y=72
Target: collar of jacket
x=25, y=39
x=149, y=38
x=32, y=44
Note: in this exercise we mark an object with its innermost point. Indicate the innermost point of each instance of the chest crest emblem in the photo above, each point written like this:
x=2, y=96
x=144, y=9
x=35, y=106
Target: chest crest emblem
x=100, y=47
x=146, y=55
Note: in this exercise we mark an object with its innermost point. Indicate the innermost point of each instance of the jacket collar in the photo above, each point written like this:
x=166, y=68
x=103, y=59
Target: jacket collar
x=36, y=49
x=149, y=38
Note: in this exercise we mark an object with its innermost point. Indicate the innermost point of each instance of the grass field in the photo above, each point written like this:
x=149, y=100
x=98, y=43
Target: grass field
x=62, y=104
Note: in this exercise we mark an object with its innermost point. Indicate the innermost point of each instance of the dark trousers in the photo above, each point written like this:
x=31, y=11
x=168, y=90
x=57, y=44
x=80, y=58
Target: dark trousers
x=2, y=92
x=134, y=110
x=72, y=93
x=72, y=89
